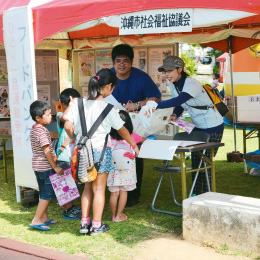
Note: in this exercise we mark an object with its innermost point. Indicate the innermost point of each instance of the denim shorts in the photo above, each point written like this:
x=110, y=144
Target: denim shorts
x=46, y=191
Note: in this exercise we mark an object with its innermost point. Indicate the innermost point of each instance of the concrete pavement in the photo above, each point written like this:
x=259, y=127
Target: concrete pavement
x=12, y=249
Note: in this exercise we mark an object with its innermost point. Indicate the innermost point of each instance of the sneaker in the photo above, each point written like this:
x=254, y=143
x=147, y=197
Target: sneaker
x=97, y=231
x=84, y=229
x=72, y=213
x=77, y=211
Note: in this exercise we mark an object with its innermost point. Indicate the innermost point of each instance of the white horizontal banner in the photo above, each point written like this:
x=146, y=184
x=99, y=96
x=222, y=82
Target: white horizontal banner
x=156, y=21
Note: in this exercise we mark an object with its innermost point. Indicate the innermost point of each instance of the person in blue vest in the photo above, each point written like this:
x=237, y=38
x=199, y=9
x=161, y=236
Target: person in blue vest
x=134, y=89
x=188, y=93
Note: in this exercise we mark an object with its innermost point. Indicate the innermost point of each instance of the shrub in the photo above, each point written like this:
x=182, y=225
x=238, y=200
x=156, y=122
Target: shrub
x=189, y=63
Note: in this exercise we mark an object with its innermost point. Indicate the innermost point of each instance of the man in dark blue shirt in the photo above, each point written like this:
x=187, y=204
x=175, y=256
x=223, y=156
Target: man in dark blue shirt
x=135, y=87
x=133, y=90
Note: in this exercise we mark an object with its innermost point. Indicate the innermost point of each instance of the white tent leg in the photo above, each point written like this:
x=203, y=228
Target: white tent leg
x=18, y=194
x=233, y=99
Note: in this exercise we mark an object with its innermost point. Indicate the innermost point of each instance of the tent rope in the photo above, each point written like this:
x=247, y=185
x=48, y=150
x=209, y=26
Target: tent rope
x=254, y=36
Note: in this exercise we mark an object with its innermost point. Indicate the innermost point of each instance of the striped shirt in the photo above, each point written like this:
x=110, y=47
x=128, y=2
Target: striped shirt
x=40, y=137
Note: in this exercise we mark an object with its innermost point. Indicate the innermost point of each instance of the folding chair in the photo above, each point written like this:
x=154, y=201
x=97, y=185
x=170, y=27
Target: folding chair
x=193, y=136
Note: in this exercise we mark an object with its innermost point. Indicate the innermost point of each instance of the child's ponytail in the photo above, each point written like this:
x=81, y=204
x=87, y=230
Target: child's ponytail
x=99, y=81
x=93, y=88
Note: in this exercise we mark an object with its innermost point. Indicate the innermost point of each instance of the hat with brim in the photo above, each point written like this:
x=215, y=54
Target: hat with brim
x=170, y=63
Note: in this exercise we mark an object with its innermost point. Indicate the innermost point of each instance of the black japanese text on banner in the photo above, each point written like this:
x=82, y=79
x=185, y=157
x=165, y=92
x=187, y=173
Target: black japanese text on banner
x=156, y=21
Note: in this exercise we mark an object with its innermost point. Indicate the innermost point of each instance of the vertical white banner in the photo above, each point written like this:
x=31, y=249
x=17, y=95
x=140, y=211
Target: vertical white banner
x=19, y=47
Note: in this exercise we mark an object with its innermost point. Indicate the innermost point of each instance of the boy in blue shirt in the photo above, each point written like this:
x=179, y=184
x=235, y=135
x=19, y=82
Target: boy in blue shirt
x=63, y=149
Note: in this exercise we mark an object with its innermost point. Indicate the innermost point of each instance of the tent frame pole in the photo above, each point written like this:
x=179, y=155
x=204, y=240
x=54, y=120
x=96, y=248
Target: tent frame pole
x=232, y=92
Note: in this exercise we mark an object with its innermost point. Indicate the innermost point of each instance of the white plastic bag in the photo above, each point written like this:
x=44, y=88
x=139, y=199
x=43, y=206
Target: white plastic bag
x=135, y=120
x=146, y=112
x=158, y=121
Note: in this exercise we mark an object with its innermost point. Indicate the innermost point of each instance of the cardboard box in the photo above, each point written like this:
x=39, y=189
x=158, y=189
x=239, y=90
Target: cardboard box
x=248, y=108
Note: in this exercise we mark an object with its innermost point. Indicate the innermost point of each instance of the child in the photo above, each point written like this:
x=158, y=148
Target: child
x=100, y=86
x=215, y=77
x=123, y=178
x=42, y=162
x=70, y=211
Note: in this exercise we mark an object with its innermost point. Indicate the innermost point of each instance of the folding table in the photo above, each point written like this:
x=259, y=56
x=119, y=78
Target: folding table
x=198, y=148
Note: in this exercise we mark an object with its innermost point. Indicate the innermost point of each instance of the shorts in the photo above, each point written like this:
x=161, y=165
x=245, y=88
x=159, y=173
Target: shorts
x=106, y=164
x=46, y=191
x=123, y=188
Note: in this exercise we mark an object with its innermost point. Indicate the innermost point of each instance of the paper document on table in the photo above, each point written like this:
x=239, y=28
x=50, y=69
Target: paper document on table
x=111, y=99
x=186, y=126
x=189, y=143
x=158, y=149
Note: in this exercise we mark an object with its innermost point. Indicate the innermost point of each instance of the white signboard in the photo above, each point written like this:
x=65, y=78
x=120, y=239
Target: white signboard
x=255, y=99
x=19, y=47
x=156, y=21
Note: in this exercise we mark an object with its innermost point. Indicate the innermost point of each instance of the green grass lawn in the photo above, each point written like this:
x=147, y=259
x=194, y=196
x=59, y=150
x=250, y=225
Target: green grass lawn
x=123, y=240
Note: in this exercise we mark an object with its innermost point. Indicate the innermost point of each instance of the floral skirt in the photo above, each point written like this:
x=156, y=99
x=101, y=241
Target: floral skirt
x=106, y=164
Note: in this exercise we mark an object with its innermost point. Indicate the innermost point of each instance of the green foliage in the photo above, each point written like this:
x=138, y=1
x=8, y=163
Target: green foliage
x=215, y=53
x=216, y=69
x=189, y=63
x=197, y=45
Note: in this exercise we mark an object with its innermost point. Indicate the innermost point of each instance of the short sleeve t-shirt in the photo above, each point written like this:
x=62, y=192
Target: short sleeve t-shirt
x=137, y=87
x=40, y=137
x=92, y=109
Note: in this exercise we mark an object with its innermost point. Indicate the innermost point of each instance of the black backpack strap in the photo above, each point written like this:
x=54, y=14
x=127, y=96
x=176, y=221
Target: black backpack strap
x=201, y=107
x=94, y=128
x=98, y=164
x=99, y=120
x=205, y=107
x=82, y=117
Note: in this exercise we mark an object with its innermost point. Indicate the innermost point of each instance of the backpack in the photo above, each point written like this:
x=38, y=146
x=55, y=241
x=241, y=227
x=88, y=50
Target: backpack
x=62, y=147
x=82, y=162
x=215, y=98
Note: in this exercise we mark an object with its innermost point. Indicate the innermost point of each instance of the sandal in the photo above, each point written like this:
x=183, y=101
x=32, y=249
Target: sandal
x=97, y=231
x=50, y=222
x=122, y=219
x=84, y=228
